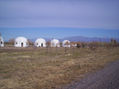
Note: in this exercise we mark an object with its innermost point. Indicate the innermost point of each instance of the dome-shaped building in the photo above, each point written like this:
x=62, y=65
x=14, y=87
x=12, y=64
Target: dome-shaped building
x=21, y=42
x=66, y=43
x=1, y=41
x=40, y=42
x=55, y=43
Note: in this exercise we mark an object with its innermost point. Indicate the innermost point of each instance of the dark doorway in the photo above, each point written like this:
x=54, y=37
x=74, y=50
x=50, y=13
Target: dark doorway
x=41, y=44
x=21, y=44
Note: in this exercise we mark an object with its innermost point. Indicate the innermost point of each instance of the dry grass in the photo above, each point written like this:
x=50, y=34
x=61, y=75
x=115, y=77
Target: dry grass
x=30, y=68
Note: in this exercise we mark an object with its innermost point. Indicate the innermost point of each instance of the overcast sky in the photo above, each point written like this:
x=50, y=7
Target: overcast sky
x=60, y=13
x=95, y=14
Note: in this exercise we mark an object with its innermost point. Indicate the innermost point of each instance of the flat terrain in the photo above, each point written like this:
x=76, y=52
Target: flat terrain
x=50, y=68
x=107, y=78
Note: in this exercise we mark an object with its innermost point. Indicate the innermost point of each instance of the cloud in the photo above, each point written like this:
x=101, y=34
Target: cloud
x=60, y=13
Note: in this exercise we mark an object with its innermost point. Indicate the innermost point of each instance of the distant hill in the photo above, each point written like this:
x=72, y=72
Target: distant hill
x=81, y=38
x=88, y=39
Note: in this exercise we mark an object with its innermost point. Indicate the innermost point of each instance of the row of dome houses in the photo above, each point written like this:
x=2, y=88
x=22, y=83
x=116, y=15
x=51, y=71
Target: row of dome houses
x=40, y=42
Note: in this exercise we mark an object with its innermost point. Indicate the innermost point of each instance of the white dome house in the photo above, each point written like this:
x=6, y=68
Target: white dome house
x=40, y=42
x=66, y=43
x=55, y=43
x=21, y=42
x=1, y=41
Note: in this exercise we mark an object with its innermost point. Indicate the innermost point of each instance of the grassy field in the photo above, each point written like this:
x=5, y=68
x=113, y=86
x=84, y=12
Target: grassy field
x=42, y=68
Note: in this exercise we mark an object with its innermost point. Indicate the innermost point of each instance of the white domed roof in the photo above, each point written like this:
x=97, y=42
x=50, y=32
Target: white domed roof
x=54, y=41
x=1, y=39
x=39, y=40
x=21, y=39
x=66, y=41
x=1, y=42
x=21, y=42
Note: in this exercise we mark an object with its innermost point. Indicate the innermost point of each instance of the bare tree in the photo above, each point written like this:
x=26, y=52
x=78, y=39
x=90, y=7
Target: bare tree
x=113, y=42
x=78, y=44
x=48, y=46
x=10, y=42
x=65, y=48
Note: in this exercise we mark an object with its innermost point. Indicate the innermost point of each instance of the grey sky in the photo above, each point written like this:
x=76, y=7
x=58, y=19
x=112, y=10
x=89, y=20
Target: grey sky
x=60, y=13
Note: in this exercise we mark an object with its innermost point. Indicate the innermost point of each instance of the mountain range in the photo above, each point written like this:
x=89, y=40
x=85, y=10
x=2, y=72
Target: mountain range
x=88, y=39
x=82, y=39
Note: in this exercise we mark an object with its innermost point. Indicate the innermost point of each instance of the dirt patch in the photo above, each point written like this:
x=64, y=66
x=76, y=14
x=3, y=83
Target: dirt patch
x=30, y=68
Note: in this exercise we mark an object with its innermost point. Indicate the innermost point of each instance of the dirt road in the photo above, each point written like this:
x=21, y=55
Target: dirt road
x=107, y=78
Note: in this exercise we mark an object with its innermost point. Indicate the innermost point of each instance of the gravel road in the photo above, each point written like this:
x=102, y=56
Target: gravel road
x=107, y=78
